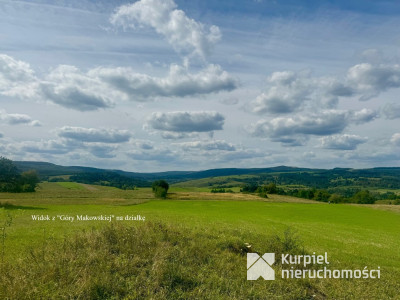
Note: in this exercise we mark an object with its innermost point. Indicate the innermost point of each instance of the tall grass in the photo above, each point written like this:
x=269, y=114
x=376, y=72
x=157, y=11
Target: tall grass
x=155, y=260
x=149, y=261
x=5, y=222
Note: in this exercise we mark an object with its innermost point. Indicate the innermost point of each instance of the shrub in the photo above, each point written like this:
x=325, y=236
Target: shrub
x=216, y=191
x=262, y=191
x=249, y=188
x=335, y=198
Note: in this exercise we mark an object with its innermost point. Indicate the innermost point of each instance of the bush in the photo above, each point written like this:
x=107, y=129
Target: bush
x=335, y=198
x=262, y=191
x=249, y=188
x=221, y=190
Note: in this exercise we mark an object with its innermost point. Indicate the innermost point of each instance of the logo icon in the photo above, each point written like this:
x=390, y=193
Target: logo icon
x=260, y=266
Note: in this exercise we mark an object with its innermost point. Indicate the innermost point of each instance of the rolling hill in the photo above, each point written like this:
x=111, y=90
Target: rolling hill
x=281, y=175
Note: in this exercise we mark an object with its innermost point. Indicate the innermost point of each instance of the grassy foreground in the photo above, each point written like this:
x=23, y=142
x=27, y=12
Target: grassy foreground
x=187, y=249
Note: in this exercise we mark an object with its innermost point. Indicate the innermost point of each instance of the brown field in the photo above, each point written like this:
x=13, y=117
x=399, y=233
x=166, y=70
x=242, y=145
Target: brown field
x=235, y=196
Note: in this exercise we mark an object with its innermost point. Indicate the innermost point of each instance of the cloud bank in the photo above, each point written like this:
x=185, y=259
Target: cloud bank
x=288, y=91
x=101, y=87
x=295, y=130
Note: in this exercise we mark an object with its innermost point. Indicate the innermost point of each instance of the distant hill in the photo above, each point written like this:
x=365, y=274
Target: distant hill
x=46, y=169
x=284, y=175
x=49, y=169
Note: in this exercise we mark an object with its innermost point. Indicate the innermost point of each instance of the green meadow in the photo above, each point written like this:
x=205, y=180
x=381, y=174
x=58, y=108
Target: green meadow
x=192, y=245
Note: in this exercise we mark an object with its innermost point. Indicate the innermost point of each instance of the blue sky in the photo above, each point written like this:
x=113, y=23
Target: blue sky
x=159, y=85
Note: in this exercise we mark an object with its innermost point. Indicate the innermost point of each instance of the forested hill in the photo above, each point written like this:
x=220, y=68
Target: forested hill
x=48, y=169
x=319, y=178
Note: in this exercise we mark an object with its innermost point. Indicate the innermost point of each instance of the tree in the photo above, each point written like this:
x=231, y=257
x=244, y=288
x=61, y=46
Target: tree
x=364, y=197
x=322, y=195
x=335, y=198
x=271, y=188
x=8, y=171
x=307, y=194
x=8, y=175
x=12, y=181
x=29, y=181
x=160, y=188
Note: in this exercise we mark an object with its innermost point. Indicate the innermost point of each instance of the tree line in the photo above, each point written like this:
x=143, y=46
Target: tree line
x=352, y=195
x=12, y=181
x=329, y=179
x=109, y=179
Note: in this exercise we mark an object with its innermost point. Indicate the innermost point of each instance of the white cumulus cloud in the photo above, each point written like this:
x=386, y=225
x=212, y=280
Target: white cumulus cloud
x=186, y=122
x=342, y=142
x=18, y=119
x=363, y=116
x=207, y=145
x=183, y=33
x=325, y=123
x=16, y=78
x=370, y=80
x=178, y=83
x=395, y=139
x=296, y=130
x=103, y=87
x=70, y=87
x=93, y=135
x=288, y=91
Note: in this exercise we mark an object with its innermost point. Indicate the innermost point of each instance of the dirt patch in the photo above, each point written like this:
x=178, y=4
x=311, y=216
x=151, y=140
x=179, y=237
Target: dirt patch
x=234, y=196
x=388, y=207
x=89, y=187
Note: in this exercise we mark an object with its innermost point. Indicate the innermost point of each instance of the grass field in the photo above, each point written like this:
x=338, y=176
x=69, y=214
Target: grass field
x=190, y=246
